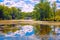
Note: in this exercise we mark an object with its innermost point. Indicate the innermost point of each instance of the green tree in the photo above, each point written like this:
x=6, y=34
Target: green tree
x=54, y=9
x=43, y=11
x=1, y=12
x=18, y=15
x=15, y=13
x=57, y=15
x=7, y=13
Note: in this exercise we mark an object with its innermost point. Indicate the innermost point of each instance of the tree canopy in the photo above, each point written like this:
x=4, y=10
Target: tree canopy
x=43, y=11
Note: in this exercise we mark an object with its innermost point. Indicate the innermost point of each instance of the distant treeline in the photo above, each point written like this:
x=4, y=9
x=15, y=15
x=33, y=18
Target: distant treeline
x=42, y=11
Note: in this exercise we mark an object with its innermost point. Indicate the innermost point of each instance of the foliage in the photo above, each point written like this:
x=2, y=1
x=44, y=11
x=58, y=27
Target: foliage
x=57, y=15
x=1, y=12
x=43, y=11
x=9, y=13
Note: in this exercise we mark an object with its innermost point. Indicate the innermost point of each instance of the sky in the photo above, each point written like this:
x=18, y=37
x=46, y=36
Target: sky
x=25, y=5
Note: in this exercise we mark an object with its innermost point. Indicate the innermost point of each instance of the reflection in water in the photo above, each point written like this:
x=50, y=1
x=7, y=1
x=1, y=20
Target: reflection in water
x=25, y=33
x=48, y=32
x=28, y=32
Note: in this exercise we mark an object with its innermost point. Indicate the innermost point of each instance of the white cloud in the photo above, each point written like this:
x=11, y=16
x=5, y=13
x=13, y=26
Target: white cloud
x=27, y=8
x=58, y=5
x=36, y=1
x=9, y=3
x=1, y=3
x=21, y=3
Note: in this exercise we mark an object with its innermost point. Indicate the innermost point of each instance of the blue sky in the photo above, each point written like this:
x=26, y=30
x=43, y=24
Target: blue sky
x=25, y=5
x=1, y=0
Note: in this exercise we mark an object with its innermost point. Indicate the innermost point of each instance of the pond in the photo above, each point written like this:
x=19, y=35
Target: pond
x=28, y=32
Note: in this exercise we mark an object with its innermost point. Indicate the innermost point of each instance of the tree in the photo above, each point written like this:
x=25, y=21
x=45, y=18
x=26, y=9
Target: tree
x=54, y=9
x=1, y=12
x=18, y=15
x=57, y=15
x=43, y=11
x=24, y=15
x=6, y=13
x=15, y=13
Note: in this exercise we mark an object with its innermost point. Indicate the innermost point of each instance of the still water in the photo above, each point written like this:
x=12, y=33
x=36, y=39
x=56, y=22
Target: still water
x=27, y=32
